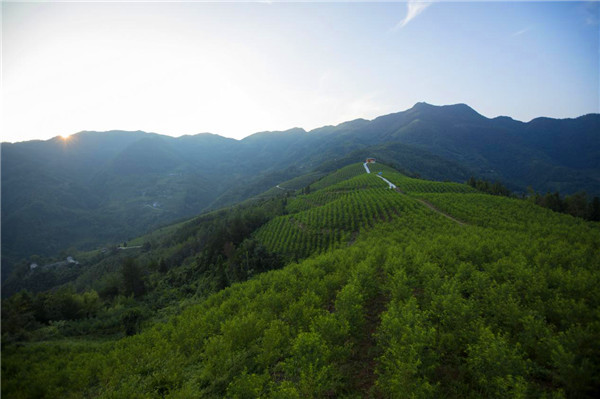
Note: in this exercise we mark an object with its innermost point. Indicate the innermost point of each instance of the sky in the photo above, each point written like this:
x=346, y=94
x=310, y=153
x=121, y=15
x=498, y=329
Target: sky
x=238, y=68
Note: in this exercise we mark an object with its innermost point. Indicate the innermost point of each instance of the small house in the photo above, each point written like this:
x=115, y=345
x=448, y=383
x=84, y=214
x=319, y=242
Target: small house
x=370, y=160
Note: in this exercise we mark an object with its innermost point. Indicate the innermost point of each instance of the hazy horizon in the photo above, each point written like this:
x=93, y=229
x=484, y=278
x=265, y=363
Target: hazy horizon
x=235, y=69
x=66, y=135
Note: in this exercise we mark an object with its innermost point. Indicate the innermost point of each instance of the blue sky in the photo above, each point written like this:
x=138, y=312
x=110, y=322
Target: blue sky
x=238, y=68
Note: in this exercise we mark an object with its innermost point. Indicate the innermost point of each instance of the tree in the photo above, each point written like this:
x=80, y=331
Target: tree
x=553, y=202
x=131, y=321
x=577, y=204
x=162, y=266
x=594, y=211
x=90, y=303
x=132, y=275
x=109, y=285
x=17, y=313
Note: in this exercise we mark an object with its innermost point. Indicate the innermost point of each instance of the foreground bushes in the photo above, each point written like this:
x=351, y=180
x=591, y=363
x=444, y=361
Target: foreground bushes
x=420, y=306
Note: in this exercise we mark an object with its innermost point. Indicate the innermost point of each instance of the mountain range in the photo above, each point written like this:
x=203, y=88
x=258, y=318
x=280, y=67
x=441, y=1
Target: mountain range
x=101, y=187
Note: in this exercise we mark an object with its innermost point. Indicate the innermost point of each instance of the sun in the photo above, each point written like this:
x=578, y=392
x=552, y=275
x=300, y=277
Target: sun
x=65, y=137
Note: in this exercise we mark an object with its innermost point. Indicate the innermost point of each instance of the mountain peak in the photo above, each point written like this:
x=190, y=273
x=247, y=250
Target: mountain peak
x=459, y=110
x=422, y=105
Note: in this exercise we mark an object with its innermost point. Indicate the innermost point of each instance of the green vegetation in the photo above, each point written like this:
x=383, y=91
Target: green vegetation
x=105, y=187
x=173, y=267
x=576, y=205
x=341, y=175
x=484, y=186
x=314, y=230
x=411, y=185
x=391, y=300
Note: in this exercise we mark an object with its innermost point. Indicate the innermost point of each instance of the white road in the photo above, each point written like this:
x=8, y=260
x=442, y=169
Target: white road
x=427, y=204
x=392, y=185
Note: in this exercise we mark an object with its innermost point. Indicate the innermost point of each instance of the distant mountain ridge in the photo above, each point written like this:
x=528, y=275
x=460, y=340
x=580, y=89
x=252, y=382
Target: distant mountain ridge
x=95, y=187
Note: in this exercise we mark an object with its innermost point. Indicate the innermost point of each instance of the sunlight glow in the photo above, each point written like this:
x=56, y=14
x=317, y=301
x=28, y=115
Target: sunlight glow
x=234, y=69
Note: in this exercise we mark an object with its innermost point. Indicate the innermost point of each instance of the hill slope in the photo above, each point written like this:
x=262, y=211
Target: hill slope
x=395, y=299
x=96, y=187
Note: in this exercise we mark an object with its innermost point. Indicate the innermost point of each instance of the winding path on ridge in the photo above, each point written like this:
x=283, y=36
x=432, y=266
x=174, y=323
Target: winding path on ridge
x=427, y=204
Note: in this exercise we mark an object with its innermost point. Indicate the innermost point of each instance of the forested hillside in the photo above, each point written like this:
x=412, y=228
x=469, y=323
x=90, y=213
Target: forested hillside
x=95, y=188
x=344, y=288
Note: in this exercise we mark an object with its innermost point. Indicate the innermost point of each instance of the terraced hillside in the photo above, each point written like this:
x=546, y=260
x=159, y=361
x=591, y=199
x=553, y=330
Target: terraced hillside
x=391, y=300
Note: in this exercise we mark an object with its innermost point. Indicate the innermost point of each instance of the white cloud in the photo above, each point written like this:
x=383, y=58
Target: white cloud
x=520, y=32
x=413, y=9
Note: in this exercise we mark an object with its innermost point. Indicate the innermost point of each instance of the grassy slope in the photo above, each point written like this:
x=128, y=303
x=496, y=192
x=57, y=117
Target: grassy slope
x=417, y=306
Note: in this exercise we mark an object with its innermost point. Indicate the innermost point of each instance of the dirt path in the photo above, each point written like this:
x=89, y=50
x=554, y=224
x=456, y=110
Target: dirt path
x=433, y=208
x=366, y=351
x=427, y=204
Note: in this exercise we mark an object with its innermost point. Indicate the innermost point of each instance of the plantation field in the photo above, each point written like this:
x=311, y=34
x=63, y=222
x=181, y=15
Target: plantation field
x=410, y=185
x=316, y=229
x=342, y=174
x=393, y=300
x=290, y=185
x=301, y=181
x=315, y=199
x=272, y=192
x=510, y=214
x=359, y=182
x=379, y=167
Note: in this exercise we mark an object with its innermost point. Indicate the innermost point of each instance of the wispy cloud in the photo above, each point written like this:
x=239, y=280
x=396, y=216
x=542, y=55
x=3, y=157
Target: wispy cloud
x=413, y=9
x=520, y=32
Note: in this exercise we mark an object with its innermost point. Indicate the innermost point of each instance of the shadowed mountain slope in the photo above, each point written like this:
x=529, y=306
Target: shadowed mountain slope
x=100, y=187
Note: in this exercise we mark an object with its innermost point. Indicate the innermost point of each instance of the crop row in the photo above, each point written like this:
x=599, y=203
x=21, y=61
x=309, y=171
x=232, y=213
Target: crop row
x=301, y=181
x=512, y=214
x=411, y=185
x=379, y=167
x=361, y=181
x=309, y=201
x=342, y=174
x=319, y=228
x=434, y=187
